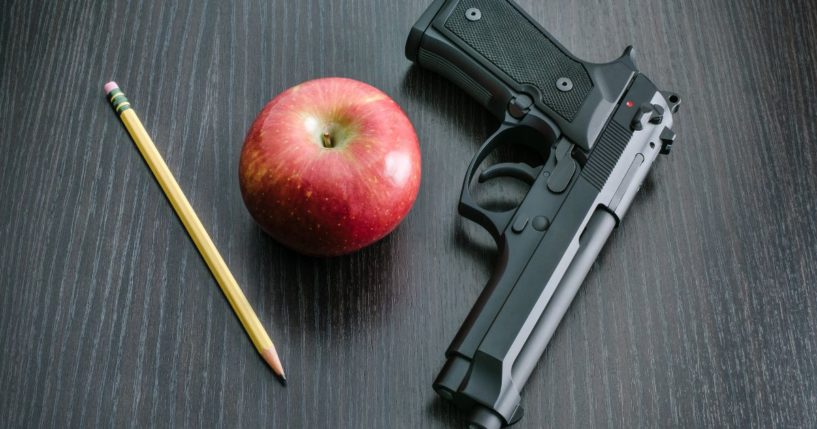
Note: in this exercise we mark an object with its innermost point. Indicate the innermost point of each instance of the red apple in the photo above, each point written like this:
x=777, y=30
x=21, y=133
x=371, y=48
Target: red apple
x=330, y=166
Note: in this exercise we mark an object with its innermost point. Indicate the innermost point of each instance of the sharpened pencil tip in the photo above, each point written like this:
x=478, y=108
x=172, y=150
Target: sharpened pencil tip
x=272, y=359
x=283, y=380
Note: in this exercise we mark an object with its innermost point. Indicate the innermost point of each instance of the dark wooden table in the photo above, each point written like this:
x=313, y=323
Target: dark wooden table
x=701, y=310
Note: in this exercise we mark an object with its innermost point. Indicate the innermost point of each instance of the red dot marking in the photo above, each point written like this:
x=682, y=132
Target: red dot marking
x=630, y=104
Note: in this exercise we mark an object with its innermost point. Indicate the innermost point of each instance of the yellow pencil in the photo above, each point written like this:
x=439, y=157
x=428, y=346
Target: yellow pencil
x=191, y=222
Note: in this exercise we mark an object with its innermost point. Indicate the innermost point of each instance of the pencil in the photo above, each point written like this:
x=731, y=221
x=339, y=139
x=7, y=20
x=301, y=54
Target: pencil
x=198, y=234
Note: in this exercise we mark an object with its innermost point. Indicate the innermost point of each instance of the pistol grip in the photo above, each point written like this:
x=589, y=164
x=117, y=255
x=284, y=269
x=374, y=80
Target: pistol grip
x=497, y=53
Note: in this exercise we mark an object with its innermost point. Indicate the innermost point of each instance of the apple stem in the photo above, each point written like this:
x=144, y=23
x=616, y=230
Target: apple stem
x=327, y=140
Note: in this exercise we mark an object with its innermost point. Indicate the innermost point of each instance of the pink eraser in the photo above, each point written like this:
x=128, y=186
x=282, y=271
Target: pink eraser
x=110, y=86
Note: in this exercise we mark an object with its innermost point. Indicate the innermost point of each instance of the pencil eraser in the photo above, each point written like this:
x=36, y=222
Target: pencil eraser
x=110, y=86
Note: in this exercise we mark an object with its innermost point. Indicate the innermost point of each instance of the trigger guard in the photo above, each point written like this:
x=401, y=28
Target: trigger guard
x=496, y=222
x=493, y=222
x=519, y=171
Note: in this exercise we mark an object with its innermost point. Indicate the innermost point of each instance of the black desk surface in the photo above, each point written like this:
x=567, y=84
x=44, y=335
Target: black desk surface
x=701, y=310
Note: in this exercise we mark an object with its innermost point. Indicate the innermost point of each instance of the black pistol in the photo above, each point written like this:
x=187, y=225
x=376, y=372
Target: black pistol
x=599, y=128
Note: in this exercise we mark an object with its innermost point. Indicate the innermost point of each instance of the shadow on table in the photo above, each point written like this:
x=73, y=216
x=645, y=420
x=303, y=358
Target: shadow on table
x=450, y=104
x=445, y=413
x=350, y=293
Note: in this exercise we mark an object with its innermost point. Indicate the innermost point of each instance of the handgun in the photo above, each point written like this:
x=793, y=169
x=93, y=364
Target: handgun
x=598, y=128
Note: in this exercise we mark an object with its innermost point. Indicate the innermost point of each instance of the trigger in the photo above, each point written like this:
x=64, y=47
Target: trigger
x=516, y=170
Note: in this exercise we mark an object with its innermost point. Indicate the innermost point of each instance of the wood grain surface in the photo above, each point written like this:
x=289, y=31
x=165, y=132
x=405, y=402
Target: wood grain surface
x=700, y=312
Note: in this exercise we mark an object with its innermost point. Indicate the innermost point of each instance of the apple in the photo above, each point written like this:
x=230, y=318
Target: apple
x=330, y=166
